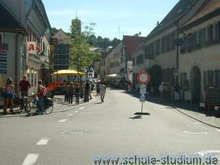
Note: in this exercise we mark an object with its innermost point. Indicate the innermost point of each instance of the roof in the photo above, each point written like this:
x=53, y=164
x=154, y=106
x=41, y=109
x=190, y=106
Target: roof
x=130, y=44
x=206, y=8
x=182, y=7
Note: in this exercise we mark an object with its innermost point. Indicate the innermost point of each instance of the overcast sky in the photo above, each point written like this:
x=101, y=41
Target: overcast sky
x=113, y=18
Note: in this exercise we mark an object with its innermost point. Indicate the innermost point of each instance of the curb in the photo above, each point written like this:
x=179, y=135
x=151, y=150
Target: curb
x=201, y=121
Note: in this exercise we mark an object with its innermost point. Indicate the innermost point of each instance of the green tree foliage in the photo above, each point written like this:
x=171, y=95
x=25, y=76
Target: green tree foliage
x=102, y=42
x=81, y=52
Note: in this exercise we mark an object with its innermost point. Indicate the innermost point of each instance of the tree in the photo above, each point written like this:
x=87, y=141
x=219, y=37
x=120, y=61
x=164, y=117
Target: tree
x=81, y=53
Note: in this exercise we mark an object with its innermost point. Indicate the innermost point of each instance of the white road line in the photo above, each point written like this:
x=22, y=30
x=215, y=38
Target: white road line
x=208, y=152
x=81, y=107
x=196, y=133
x=30, y=159
x=43, y=141
x=62, y=120
x=69, y=115
x=218, y=130
x=76, y=111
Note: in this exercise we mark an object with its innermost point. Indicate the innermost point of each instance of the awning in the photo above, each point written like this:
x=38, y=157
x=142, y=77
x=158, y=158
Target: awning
x=68, y=72
x=115, y=75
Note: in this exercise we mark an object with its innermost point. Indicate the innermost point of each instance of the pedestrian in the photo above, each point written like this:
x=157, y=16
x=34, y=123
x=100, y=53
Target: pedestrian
x=70, y=93
x=97, y=89
x=161, y=90
x=77, y=92
x=87, y=89
x=24, y=85
x=8, y=90
x=66, y=86
x=41, y=93
x=102, y=88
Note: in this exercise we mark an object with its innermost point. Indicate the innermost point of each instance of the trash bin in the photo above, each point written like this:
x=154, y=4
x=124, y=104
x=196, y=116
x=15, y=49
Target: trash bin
x=217, y=111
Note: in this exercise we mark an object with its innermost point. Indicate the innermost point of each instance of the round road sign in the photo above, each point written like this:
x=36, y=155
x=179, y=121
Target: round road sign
x=143, y=77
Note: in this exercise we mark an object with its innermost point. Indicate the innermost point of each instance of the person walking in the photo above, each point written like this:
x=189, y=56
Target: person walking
x=8, y=90
x=41, y=93
x=87, y=89
x=102, y=92
x=70, y=93
x=24, y=85
x=77, y=92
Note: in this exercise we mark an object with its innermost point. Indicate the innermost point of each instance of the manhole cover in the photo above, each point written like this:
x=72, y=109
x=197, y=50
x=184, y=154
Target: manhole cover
x=75, y=132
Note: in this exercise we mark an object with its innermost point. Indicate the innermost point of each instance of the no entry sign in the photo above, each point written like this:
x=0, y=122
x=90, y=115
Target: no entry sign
x=143, y=77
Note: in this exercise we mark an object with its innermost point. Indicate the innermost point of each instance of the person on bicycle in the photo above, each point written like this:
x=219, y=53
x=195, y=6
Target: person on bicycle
x=24, y=85
x=41, y=93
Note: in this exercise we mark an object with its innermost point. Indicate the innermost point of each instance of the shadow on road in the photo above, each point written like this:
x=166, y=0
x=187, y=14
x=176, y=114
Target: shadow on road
x=136, y=117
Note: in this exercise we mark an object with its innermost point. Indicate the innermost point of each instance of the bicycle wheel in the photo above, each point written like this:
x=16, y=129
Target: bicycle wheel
x=32, y=108
x=48, y=110
x=48, y=106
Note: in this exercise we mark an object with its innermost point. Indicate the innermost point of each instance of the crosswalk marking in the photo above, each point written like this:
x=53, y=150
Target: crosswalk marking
x=30, y=159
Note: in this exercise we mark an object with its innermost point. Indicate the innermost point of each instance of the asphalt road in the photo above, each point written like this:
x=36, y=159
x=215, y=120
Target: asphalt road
x=85, y=134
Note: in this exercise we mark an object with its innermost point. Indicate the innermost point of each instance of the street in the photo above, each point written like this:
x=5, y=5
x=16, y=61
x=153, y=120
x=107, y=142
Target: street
x=76, y=135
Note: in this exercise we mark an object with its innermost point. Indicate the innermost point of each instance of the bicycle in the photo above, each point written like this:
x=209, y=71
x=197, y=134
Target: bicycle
x=33, y=105
x=21, y=103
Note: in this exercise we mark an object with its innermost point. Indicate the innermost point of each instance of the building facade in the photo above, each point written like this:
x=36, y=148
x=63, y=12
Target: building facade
x=61, y=50
x=182, y=51
x=24, y=28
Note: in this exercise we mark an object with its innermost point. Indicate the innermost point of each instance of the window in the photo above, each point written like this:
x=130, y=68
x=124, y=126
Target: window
x=210, y=35
x=158, y=47
x=202, y=36
x=1, y=38
x=172, y=39
x=210, y=78
x=217, y=78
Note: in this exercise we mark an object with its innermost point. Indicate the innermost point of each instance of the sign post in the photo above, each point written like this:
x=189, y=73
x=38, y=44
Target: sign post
x=143, y=78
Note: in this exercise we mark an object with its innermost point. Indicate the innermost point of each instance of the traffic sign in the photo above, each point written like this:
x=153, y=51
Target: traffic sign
x=143, y=89
x=143, y=77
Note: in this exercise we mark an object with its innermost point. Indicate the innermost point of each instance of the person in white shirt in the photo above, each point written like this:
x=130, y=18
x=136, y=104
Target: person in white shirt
x=102, y=90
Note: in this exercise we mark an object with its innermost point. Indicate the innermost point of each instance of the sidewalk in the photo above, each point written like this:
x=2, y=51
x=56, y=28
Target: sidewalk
x=59, y=105
x=188, y=110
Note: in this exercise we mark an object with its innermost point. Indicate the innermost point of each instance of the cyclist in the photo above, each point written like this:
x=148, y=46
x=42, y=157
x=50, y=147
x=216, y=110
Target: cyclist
x=41, y=93
x=24, y=85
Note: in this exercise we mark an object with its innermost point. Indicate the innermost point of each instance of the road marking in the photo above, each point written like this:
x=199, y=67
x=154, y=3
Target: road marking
x=76, y=111
x=196, y=133
x=81, y=107
x=30, y=159
x=69, y=115
x=210, y=152
x=218, y=130
x=43, y=141
x=62, y=120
